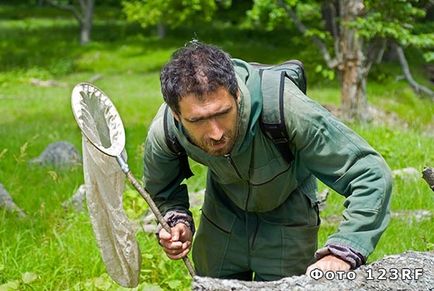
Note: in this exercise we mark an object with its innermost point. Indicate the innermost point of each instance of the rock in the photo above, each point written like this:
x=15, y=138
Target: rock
x=196, y=198
x=428, y=176
x=407, y=271
x=59, y=154
x=149, y=228
x=148, y=222
x=406, y=174
x=375, y=116
x=332, y=219
x=46, y=83
x=7, y=202
x=77, y=200
x=416, y=215
x=322, y=198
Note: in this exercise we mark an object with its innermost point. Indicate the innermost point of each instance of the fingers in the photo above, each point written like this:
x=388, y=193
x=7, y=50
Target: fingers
x=178, y=253
x=177, y=243
x=178, y=232
x=176, y=250
x=164, y=235
x=329, y=263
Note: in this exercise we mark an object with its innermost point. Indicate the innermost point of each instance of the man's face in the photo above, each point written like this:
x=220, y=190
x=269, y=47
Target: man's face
x=211, y=122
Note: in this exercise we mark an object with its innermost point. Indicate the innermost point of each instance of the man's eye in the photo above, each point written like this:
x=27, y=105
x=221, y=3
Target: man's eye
x=223, y=114
x=197, y=121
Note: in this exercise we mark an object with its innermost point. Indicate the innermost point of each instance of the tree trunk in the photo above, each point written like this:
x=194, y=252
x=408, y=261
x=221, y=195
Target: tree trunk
x=353, y=73
x=85, y=34
x=354, y=103
x=161, y=30
x=86, y=24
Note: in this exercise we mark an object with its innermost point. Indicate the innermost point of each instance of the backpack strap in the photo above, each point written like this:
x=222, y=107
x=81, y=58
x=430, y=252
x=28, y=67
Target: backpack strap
x=272, y=120
x=174, y=145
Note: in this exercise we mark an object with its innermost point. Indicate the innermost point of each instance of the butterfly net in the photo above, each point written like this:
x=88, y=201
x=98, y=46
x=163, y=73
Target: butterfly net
x=103, y=138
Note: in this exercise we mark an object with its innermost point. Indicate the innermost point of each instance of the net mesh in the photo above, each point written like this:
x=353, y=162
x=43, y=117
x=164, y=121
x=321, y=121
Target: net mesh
x=114, y=233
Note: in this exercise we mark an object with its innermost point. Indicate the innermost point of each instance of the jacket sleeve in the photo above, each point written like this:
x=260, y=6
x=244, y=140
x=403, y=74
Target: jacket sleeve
x=162, y=175
x=346, y=163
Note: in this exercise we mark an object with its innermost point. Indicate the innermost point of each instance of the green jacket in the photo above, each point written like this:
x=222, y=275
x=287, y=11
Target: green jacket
x=256, y=178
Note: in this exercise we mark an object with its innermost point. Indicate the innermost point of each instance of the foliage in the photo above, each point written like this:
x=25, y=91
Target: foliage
x=171, y=12
x=272, y=13
x=395, y=21
x=351, y=31
x=392, y=20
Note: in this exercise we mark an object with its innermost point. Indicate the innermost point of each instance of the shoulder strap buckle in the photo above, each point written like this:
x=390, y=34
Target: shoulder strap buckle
x=272, y=88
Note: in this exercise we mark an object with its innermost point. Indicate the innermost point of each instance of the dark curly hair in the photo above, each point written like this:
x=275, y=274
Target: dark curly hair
x=198, y=69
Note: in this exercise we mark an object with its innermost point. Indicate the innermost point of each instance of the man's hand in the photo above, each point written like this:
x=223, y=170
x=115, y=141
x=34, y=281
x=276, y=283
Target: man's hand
x=329, y=263
x=177, y=244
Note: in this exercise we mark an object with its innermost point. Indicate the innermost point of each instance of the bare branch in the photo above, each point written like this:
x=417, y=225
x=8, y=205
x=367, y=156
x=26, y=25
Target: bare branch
x=330, y=16
x=336, y=32
x=375, y=52
x=67, y=7
x=328, y=11
x=428, y=5
x=380, y=53
x=331, y=63
x=82, y=5
x=88, y=9
x=406, y=70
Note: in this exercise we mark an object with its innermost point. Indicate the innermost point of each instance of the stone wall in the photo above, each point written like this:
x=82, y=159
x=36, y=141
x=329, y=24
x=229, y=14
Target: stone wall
x=406, y=271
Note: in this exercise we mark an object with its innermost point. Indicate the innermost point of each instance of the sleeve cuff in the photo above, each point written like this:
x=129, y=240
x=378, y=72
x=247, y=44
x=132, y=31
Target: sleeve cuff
x=173, y=217
x=352, y=257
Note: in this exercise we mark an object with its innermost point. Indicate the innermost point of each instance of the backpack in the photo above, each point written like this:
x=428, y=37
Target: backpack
x=272, y=121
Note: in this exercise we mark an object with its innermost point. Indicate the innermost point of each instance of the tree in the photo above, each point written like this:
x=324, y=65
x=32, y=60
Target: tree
x=82, y=11
x=357, y=33
x=398, y=26
x=168, y=13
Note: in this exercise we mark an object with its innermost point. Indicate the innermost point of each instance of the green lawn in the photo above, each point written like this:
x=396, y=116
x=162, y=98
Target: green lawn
x=53, y=248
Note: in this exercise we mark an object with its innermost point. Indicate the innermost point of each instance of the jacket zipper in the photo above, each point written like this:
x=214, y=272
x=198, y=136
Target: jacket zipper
x=232, y=163
x=251, y=241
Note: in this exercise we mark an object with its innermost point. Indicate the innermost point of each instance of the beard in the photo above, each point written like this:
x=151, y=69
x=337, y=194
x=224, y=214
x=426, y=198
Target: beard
x=214, y=147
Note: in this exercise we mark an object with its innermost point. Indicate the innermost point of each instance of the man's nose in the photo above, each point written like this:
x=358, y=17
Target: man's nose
x=216, y=131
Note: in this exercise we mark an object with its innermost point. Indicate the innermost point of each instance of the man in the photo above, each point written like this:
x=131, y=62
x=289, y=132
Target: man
x=260, y=216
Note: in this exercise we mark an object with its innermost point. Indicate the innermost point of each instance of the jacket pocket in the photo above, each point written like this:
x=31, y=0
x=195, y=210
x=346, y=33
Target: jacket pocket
x=210, y=237
x=213, y=235
x=297, y=210
x=299, y=246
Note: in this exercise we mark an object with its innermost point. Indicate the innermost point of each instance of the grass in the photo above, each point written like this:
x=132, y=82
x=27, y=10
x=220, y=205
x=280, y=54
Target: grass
x=53, y=248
